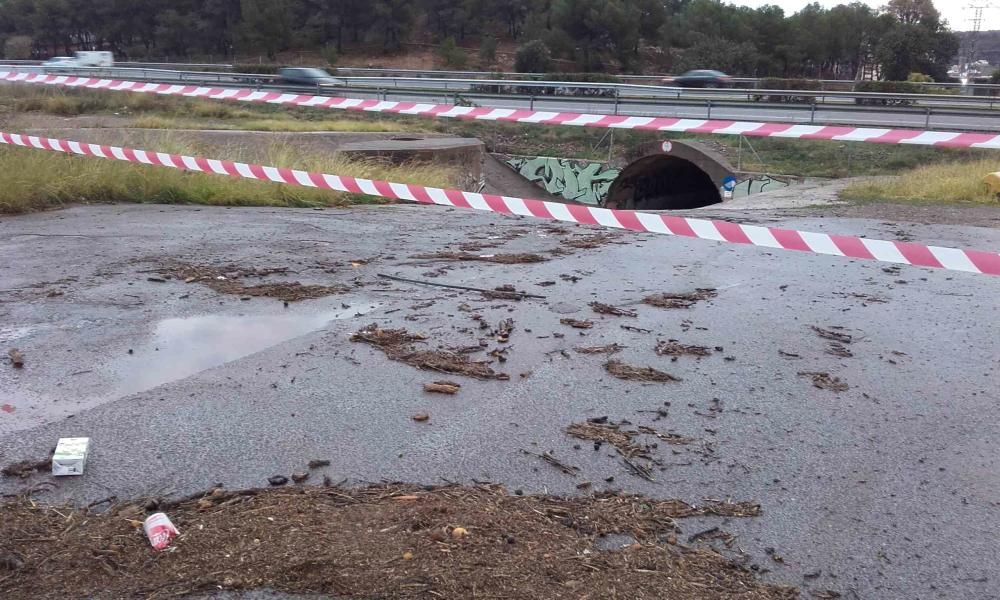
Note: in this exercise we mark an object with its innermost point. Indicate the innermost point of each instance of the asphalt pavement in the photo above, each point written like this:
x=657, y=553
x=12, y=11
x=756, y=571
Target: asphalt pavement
x=889, y=489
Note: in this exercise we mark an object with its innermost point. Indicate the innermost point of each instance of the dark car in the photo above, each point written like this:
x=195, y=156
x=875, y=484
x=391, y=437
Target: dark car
x=306, y=76
x=701, y=79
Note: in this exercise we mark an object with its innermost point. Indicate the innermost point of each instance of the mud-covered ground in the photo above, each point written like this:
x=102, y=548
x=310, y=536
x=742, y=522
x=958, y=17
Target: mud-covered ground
x=855, y=402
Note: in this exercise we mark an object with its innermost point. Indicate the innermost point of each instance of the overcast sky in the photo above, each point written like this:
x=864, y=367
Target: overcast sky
x=951, y=10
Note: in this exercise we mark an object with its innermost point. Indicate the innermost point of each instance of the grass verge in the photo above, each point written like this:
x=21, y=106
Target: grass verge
x=36, y=180
x=272, y=124
x=959, y=182
x=170, y=112
x=809, y=158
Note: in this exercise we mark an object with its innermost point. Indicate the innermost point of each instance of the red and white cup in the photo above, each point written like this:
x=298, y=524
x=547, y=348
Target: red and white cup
x=160, y=531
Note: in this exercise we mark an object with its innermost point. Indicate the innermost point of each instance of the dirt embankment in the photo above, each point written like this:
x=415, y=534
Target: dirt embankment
x=378, y=542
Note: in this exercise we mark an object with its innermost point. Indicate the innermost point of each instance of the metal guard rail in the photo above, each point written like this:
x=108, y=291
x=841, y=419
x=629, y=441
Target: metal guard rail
x=717, y=97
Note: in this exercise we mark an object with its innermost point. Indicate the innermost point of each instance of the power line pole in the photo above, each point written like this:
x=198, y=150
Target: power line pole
x=973, y=39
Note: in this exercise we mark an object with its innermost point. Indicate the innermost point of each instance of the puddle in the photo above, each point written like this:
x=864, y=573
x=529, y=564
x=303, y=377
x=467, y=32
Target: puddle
x=183, y=347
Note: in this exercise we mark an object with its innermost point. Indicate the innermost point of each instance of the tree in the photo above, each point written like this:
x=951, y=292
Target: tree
x=908, y=48
x=718, y=54
x=266, y=25
x=814, y=42
x=18, y=47
x=512, y=13
x=597, y=27
x=533, y=57
x=652, y=15
x=220, y=19
x=453, y=56
x=393, y=18
x=176, y=34
x=917, y=42
x=488, y=50
x=915, y=12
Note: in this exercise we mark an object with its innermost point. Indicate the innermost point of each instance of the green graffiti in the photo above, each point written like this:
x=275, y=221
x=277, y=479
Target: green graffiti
x=758, y=183
x=576, y=180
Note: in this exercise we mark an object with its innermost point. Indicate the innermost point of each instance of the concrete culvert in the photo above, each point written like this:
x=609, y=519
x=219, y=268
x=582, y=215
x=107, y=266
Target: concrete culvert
x=670, y=176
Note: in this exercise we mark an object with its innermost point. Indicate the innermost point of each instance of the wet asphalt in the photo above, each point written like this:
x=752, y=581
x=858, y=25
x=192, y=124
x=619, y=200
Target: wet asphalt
x=890, y=489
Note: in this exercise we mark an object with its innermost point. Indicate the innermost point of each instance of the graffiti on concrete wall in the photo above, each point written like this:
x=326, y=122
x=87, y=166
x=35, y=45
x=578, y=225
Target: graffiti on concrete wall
x=576, y=180
x=757, y=183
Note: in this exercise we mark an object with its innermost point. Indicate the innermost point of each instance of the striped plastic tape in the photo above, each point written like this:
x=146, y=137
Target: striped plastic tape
x=945, y=139
x=972, y=261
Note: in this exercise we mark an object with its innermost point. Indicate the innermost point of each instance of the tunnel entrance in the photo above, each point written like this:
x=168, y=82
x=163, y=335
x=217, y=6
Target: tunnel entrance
x=663, y=182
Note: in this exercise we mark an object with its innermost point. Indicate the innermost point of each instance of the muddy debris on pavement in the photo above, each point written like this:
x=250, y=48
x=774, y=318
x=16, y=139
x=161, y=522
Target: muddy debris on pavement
x=670, y=438
x=383, y=541
x=674, y=348
x=825, y=381
x=503, y=331
x=398, y=345
x=16, y=358
x=477, y=246
x=838, y=341
x=866, y=299
x=609, y=349
x=637, y=458
x=505, y=292
x=589, y=242
x=232, y=280
x=577, y=323
x=26, y=468
x=612, y=434
x=555, y=462
x=839, y=350
x=442, y=387
x=712, y=534
x=608, y=309
x=686, y=300
x=631, y=373
x=503, y=259
x=834, y=333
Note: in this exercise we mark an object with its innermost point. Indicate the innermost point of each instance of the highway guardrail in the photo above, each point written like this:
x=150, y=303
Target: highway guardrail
x=560, y=88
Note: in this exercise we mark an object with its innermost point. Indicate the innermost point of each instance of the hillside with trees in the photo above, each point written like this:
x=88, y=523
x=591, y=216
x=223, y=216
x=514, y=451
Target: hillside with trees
x=585, y=35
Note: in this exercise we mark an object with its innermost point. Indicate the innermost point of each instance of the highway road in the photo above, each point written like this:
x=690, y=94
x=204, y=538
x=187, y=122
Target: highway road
x=869, y=117
x=940, y=114
x=887, y=489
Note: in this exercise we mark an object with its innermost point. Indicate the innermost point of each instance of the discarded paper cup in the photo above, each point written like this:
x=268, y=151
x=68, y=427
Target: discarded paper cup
x=160, y=531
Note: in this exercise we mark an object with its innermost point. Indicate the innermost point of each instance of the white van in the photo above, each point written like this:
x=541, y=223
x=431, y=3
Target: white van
x=95, y=59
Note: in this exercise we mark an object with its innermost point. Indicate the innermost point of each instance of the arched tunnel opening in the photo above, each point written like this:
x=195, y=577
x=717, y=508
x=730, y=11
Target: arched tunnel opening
x=663, y=182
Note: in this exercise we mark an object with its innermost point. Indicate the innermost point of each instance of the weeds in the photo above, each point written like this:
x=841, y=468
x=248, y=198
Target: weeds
x=957, y=182
x=273, y=125
x=35, y=180
x=150, y=111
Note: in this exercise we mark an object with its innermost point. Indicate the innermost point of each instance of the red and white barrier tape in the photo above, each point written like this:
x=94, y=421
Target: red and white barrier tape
x=972, y=261
x=918, y=137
